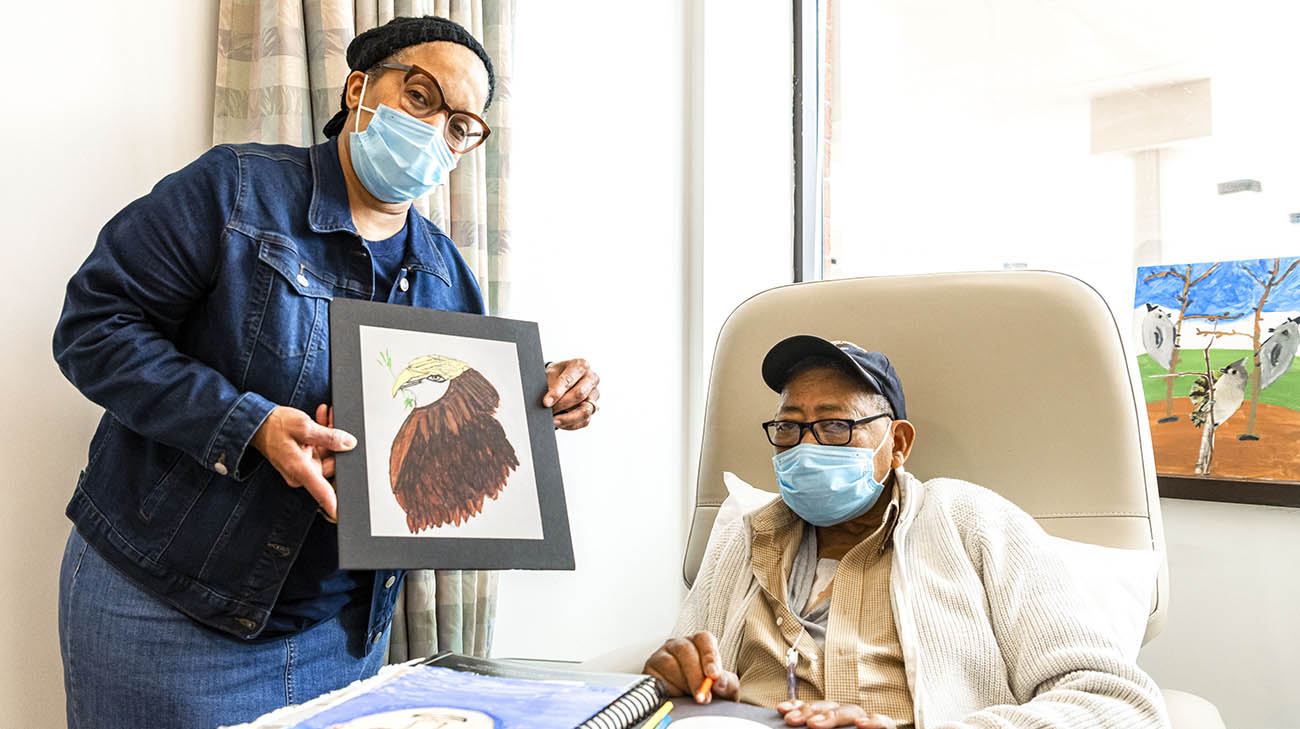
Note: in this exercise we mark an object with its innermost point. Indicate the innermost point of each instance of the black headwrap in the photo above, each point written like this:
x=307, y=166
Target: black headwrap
x=377, y=44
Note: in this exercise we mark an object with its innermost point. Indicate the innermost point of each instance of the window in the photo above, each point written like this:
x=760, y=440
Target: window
x=1083, y=136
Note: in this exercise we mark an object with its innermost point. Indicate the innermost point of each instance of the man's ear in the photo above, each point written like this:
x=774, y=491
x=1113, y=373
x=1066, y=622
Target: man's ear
x=903, y=434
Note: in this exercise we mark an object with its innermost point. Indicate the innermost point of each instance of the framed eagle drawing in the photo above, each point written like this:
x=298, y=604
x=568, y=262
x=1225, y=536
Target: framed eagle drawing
x=456, y=465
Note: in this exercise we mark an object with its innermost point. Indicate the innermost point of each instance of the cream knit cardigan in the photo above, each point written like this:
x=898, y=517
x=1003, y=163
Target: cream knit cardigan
x=993, y=630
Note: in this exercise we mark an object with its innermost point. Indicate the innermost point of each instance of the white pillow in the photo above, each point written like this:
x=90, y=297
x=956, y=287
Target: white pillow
x=741, y=499
x=1119, y=584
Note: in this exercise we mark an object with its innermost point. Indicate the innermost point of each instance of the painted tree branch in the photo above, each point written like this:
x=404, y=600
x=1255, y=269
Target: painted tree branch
x=1206, y=454
x=1289, y=269
x=1208, y=271
x=1216, y=335
x=1170, y=272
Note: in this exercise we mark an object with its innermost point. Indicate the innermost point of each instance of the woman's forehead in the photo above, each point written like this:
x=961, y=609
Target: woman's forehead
x=460, y=72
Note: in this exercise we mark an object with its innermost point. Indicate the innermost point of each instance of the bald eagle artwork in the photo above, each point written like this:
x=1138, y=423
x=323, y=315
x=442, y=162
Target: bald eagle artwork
x=450, y=454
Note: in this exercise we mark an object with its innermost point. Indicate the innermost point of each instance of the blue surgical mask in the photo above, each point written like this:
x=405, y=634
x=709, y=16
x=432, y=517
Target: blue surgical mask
x=398, y=157
x=827, y=485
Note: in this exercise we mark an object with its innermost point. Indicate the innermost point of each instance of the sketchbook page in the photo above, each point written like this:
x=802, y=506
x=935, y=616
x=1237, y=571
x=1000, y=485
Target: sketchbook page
x=292, y=715
x=424, y=693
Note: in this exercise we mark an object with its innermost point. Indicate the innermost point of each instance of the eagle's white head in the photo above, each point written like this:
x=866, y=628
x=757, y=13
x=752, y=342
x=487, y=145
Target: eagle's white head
x=425, y=379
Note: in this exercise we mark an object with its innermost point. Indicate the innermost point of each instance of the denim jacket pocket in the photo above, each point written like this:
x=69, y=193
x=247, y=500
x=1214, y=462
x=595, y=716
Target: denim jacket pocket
x=168, y=503
x=295, y=313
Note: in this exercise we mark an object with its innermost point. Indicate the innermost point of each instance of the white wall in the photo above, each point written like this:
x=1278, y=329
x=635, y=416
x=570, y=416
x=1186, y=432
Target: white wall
x=1232, y=636
x=122, y=96
x=746, y=150
x=599, y=261
x=630, y=251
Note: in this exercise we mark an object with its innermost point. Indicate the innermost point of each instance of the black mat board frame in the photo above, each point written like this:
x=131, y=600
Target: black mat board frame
x=358, y=547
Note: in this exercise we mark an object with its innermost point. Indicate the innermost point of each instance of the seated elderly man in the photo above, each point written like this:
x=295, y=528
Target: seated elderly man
x=865, y=597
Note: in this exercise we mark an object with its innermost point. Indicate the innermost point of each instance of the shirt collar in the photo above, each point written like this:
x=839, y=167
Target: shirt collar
x=891, y=513
x=776, y=531
x=330, y=213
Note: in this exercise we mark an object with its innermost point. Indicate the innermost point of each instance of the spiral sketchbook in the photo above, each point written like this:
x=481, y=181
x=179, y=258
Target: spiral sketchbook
x=451, y=689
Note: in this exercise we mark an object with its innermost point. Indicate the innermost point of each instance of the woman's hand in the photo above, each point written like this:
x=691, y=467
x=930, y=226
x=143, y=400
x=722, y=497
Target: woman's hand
x=826, y=714
x=302, y=450
x=571, y=393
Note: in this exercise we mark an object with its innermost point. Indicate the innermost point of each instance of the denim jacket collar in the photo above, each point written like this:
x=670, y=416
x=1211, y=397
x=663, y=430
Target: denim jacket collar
x=330, y=212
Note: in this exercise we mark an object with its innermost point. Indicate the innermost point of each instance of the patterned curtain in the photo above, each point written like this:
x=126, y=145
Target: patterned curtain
x=280, y=69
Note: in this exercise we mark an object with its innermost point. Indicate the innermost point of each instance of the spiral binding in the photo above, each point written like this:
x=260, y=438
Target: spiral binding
x=630, y=708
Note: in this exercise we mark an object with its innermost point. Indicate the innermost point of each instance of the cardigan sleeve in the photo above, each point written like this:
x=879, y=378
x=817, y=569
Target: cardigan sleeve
x=718, y=591
x=1064, y=666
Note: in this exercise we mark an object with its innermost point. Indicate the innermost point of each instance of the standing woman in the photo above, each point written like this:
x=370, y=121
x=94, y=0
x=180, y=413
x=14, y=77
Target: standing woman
x=200, y=584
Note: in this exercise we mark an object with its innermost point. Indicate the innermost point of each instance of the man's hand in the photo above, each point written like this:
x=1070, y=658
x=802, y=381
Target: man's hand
x=571, y=393
x=681, y=665
x=302, y=450
x=826, y=714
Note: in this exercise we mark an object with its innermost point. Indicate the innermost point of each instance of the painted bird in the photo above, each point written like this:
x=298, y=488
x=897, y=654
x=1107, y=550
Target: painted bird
x=1278, y=351
x=450, y=453
x=1229, y=392
x=1158, y=334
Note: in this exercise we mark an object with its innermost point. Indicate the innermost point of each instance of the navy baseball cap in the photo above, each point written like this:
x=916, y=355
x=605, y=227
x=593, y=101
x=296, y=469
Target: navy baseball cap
x=874, y=367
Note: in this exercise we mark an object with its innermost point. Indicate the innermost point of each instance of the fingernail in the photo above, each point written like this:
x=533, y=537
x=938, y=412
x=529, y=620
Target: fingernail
x=349, y=441
x=816, y=717
x=548, y=401
x=556, y=421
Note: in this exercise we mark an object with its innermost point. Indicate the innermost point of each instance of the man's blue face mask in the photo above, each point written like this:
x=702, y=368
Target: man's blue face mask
x=828, y=485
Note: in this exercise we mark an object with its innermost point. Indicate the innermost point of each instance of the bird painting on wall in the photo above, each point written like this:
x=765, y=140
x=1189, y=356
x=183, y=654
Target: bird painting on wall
x=1158, y=334
x=450, y=454
x=1229, y=388
x=1278, y=351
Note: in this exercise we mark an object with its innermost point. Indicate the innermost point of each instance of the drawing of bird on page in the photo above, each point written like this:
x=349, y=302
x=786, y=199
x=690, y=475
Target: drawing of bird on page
x=450, y=453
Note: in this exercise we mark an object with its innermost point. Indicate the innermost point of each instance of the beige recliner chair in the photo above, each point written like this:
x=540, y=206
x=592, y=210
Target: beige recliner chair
x=1018, y=381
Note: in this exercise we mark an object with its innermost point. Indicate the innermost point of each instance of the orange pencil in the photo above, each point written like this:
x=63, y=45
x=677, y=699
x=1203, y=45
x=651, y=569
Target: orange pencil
x=703, y=691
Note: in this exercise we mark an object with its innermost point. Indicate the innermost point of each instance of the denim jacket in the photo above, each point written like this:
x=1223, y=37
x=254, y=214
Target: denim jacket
x=202, y=306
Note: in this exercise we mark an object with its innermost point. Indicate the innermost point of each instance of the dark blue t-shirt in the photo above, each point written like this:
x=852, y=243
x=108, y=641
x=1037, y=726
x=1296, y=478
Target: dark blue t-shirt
x=316, y=589
x=387, y=255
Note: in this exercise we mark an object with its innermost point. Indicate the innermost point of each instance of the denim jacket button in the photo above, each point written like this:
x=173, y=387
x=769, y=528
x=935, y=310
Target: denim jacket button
x=302, y=279
x=390, y=581
x=403, y=284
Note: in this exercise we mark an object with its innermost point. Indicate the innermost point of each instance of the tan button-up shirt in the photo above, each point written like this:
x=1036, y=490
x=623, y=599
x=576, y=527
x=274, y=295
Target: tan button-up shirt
x=863, y=661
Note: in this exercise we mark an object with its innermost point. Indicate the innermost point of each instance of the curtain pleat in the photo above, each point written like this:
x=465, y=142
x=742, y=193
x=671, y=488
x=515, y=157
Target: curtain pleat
x=281, y=65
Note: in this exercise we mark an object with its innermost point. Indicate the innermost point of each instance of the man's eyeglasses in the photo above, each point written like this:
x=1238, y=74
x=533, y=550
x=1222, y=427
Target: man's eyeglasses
x=422, y=97
x=831, y=431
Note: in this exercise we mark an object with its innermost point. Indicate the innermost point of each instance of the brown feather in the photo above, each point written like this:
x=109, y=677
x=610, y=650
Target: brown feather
x=451, y=455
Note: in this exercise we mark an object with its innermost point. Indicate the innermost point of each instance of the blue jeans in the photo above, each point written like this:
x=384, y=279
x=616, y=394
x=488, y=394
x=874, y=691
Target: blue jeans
x=131, y=660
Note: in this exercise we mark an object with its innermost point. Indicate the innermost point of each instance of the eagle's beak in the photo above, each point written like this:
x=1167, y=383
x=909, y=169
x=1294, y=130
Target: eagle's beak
x=402, y=379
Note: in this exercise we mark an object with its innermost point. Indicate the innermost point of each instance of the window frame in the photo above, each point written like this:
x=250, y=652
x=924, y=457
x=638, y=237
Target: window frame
x=809, y=141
